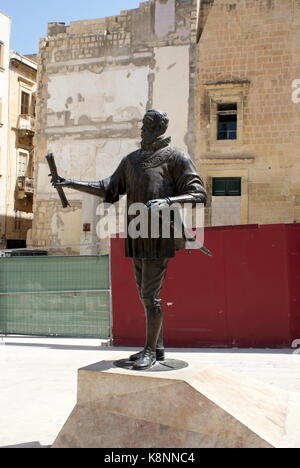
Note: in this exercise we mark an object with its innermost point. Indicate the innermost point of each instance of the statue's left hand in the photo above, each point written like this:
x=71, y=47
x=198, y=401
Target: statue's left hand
x=159, y=203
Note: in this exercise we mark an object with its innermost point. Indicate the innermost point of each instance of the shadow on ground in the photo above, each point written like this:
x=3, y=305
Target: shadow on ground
x=53, y=346
x=168, y=350
x=34, y=444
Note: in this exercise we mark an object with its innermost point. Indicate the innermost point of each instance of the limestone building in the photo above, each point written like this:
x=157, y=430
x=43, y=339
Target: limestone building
x=19, y=189
x=248, y=110
x=17, y=122
x=96, y=80
x=5, y=25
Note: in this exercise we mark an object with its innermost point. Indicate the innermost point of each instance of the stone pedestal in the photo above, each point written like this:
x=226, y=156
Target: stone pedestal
x=187, y=408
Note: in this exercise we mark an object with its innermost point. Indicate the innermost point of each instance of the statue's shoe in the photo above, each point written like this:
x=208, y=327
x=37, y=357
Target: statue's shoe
x=146, y=361
x=160, y=355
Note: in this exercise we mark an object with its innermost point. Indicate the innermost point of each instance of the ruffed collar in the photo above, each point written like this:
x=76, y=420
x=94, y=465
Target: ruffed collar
x=159, y=143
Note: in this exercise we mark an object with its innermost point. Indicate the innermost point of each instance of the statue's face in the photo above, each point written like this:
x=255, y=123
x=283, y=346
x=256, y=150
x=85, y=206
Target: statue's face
x=150, y=129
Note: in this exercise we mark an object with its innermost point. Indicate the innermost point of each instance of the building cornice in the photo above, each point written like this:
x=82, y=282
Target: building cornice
x=223, y=160
x=18, y=59
x=4, y=14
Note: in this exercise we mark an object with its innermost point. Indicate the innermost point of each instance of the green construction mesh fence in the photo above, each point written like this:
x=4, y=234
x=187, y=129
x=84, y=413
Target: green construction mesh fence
x=55, y=296
x=41, y=274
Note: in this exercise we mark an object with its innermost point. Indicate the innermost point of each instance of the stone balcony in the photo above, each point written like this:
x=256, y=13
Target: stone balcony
x=26, y=124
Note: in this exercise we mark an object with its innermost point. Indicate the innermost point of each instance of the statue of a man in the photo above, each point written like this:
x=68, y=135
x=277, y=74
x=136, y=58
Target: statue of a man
x=157, y=175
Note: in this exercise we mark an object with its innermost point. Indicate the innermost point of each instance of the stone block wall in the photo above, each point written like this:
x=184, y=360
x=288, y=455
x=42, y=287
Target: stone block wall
x=248, y=53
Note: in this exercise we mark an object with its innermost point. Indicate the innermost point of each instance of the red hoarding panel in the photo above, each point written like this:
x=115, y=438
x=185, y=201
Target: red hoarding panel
x=193, y=299
x=194, y=290
x=256, y=286
x=246, y=295
x=293, y=258
x=127, y=311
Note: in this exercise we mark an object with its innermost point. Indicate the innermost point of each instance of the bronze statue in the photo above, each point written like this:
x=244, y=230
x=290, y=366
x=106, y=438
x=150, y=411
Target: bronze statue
x=157, y=175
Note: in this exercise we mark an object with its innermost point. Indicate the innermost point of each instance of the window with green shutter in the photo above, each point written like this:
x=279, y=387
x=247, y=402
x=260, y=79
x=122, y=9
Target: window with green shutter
x=227, y=187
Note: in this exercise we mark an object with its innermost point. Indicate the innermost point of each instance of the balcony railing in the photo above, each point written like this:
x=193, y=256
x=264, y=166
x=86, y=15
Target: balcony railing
x=26, y=123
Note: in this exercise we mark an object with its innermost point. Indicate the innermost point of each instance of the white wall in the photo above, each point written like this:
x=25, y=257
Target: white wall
x=226, y=211
x=120, y=92
x=5, y=24
x=98, y=106
x=171, y=90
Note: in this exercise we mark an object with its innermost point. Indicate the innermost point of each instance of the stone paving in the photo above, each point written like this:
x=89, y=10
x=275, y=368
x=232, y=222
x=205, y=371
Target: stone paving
x=39, y=380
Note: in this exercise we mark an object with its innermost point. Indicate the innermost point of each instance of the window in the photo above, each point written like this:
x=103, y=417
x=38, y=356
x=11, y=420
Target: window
x=25, y=102
x=224, y=105
x=227, y=121
x=227, y=187
x=15, y=244
x=22, y=163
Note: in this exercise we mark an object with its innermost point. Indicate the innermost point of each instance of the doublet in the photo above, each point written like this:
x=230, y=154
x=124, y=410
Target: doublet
x=147, y=175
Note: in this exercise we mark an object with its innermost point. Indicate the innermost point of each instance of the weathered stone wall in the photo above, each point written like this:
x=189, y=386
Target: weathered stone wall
x=96, y=79
x=249, y=54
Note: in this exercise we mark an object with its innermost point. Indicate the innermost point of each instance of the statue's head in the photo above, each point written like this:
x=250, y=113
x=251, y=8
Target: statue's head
x=155, y=124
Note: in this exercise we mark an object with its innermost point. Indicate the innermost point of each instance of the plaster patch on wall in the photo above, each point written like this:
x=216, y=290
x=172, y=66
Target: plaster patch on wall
x=110, y=153
x=66, y=227
x=226, y=211
x=109, y=95
x=43, y=181
x=171, y=89
x=164, y=17
x=80, y=160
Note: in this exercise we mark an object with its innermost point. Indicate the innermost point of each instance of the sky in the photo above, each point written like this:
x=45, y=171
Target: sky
x=30, y=17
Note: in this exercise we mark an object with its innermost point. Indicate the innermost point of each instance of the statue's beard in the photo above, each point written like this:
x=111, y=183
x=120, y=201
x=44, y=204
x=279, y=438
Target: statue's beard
x=148, y=138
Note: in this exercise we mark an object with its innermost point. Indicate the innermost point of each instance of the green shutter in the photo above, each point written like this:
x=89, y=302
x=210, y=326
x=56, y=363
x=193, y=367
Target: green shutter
x=227, y=186
x=219, y=187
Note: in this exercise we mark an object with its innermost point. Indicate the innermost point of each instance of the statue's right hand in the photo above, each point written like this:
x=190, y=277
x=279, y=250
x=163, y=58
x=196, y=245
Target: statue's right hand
x=59, y=182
